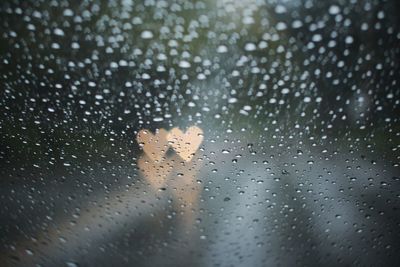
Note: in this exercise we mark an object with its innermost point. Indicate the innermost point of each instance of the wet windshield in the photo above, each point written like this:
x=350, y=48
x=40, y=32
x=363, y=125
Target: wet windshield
x=199, y=133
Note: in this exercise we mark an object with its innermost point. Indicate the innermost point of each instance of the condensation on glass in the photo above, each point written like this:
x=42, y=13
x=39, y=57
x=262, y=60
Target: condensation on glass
x=199, y=133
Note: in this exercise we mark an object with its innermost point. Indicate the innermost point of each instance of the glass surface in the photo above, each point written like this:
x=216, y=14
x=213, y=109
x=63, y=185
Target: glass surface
x=201, y=133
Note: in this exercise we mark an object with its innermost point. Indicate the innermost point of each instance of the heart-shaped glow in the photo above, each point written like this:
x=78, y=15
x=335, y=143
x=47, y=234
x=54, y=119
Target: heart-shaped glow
x=154, y=145
x=185, y=144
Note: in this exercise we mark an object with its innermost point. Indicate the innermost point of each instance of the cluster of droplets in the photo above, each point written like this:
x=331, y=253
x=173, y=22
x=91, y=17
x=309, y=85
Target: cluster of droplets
x=299, y=101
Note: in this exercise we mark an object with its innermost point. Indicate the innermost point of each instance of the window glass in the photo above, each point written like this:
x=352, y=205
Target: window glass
x=199, y=133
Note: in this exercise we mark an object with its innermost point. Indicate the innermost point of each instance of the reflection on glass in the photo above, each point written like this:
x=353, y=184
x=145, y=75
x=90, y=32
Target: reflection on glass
x=199, y=133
